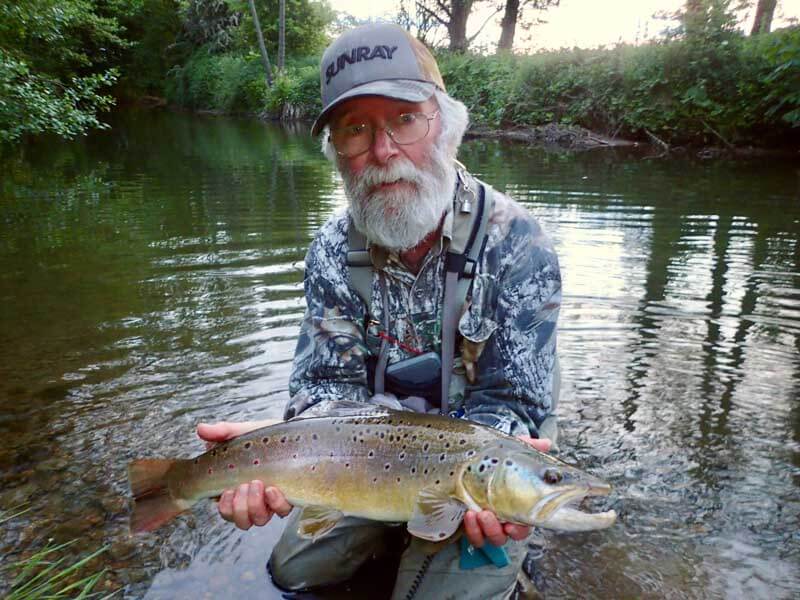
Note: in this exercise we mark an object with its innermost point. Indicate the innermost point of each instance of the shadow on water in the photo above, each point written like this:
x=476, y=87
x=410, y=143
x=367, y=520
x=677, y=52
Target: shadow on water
x=151, y=278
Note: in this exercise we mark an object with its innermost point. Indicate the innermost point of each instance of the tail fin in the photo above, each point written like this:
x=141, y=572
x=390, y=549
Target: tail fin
x=152, y=503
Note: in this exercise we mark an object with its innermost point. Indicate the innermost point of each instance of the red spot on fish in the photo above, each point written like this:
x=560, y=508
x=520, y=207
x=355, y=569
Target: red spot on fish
x=231, y=466
x=210, y=470
x=256, y=462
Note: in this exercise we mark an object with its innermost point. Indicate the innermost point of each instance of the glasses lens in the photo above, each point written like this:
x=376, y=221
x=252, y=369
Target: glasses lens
x=352, y=140
x=409, y=128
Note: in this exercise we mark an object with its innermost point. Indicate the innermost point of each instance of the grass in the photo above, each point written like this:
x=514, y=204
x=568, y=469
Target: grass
x=45, y=575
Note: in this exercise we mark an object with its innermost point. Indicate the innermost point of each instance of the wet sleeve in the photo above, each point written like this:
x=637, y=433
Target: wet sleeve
x=330, y=358
x=517, y=383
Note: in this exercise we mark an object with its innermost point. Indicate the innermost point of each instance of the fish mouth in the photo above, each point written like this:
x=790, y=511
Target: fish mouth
x=554, y=510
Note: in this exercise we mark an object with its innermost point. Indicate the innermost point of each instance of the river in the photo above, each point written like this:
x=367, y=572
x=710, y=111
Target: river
x=151, y=278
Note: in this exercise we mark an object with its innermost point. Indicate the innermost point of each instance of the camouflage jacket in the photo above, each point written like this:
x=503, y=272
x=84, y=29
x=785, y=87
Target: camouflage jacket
x=506, y=374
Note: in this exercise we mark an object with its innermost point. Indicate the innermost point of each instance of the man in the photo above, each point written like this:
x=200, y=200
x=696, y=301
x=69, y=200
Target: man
x=393, y=134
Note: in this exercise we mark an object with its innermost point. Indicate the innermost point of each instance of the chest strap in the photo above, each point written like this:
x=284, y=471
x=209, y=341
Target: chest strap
x=461, y=262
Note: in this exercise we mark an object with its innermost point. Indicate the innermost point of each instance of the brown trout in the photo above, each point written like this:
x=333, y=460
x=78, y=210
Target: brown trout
x=426, y=470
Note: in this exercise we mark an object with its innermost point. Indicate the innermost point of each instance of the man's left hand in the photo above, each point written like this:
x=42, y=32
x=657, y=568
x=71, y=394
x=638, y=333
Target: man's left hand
x=484, y=526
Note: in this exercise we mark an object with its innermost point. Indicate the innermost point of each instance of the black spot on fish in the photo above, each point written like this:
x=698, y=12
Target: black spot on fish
x=425, y=472
x=331, y=453
x=398, y=480
x=387, y=466
x=294, y=456
x=442, y=534
x=471, y=453
x=402, y=455
x=265, y=440
x=346, y=465
x=452, y=473
x=425, y=447
x=469, y=468
x=509, y=463
x=371, y=453
x=442, y=457
x=196, y=461
x=283, y=440
x=338, y=429
x=481, y=468
x=247, y=445
x=374, y=480
x=383, y=435
x=413, y=470
x=447, y=445
x=437, y=482
x=462, y=442
x=213, y=453
x=313, y=467
x=495, y=461
x=441, y=436
x=297, y=439
x=314, y=436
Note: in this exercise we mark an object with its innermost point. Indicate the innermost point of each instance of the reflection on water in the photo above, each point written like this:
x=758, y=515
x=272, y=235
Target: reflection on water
x=151, y=277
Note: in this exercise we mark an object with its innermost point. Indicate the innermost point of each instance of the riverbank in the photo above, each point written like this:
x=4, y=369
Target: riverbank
x=727, y=94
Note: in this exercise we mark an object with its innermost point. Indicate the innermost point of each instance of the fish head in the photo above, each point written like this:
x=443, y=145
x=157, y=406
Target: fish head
x=533, y=488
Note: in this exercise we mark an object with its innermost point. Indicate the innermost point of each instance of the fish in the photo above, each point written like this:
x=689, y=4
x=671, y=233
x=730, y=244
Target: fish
x=392, y=466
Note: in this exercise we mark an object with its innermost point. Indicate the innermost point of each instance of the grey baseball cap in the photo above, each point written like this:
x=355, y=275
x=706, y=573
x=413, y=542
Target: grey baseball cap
x=380, y=59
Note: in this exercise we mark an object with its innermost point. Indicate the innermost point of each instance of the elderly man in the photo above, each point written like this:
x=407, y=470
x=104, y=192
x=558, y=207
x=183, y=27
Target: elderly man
x=431, y=293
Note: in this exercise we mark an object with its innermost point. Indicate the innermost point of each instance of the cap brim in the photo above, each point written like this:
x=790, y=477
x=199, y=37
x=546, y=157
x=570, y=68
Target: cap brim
x=408, y=90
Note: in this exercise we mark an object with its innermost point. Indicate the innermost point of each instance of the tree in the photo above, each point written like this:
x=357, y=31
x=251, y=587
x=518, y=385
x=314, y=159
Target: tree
x=512, y=15
x=56, y=56
x=261, y=46
x=282, y=35
x=453, y=15
x=764, y=12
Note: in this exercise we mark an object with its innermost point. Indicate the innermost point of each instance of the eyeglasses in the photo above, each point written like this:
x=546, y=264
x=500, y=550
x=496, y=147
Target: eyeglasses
x=404, y=129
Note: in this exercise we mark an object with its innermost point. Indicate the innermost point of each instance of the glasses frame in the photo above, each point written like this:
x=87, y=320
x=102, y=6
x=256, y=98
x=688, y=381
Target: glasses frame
x=388, y=130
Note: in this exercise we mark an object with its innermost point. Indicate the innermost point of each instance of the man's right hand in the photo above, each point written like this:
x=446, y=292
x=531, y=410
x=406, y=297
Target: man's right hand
x=250, y=503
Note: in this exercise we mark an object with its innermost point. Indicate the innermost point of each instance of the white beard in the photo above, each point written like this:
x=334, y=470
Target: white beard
x=399, y=219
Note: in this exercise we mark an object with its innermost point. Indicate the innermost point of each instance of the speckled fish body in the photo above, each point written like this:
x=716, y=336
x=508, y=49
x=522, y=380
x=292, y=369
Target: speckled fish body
x=394, y=466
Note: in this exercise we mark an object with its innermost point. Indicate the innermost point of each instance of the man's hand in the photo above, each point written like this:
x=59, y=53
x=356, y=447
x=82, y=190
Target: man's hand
x=250, y=503
x=484, y=526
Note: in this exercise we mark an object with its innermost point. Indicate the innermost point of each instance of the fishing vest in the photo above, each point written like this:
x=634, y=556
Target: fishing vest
x=472, y=206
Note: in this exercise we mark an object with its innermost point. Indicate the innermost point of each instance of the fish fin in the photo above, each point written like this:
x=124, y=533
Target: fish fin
x=152, y=503
x=436, y=515
x=316, y=521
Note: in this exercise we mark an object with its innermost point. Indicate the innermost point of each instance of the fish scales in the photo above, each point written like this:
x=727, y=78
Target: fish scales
x=426, y=470
x=373, y=467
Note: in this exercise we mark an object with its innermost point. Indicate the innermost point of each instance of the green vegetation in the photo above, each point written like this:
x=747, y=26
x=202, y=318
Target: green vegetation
x=737, y=90
x=44, y=575
x=62, y=62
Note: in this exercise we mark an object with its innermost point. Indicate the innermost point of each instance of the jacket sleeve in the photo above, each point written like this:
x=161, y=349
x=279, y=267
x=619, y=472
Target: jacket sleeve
x=330, y=358
x=515, y=311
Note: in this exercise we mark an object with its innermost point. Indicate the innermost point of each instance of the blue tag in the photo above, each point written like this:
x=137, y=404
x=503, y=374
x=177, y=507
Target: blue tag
x=472, y=557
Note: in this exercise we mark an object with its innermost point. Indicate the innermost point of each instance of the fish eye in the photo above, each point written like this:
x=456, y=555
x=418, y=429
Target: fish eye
x=552, y=476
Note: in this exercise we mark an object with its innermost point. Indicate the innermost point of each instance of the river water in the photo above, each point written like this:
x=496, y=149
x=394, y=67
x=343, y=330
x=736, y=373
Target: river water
x=151, y=278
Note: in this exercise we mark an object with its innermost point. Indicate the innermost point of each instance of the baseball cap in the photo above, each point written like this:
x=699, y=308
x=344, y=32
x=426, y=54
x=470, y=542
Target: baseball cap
x=379, y=59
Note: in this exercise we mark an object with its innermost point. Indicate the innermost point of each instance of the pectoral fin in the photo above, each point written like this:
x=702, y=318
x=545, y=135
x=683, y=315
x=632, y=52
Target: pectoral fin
x=436, y=515
x=316, y=521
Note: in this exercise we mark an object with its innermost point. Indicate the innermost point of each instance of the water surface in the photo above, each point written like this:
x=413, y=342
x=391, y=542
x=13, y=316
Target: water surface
x=151, y=278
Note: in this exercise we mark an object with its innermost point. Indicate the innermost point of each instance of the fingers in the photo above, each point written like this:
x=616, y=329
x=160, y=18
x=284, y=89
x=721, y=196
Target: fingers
x=250, y=504
x=225, y=430
x=472, y=529
x=277, y=502
x=217, y=432
x=483, y=527
x=516, y=532
x=540, y=444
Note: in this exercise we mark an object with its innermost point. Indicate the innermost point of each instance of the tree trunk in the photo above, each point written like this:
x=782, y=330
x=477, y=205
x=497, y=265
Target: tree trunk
x=457, y=27
x=282, y=35
x=509, y=26
x=262, y=47
x=764, y=12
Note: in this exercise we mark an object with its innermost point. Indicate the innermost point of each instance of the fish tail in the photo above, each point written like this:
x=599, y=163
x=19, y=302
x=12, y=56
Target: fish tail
x=153, y=505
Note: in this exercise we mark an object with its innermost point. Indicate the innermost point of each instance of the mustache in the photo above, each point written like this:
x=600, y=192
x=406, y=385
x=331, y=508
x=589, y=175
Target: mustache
x=372, y=176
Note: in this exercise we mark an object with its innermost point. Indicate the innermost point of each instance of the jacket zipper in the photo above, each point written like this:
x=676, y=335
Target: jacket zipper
x=420, y=576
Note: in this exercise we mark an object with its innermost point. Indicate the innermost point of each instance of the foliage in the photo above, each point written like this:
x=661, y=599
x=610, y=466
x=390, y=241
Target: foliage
x=296, y=87
x=44, y=576
x=306, y=23
x=55, y=57
x=220, y=82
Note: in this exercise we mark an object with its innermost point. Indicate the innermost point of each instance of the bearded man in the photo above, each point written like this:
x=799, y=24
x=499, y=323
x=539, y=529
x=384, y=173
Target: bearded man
x=393, y=133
